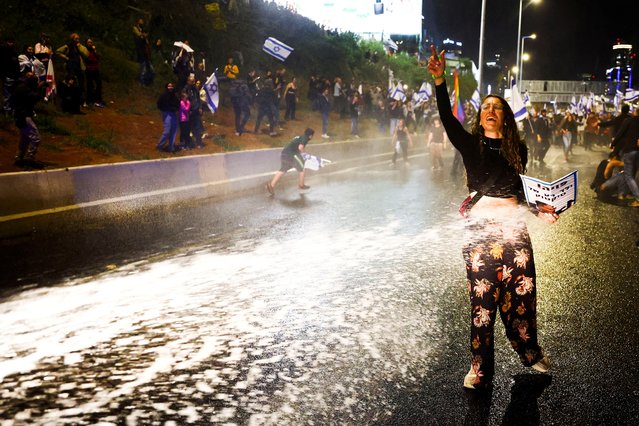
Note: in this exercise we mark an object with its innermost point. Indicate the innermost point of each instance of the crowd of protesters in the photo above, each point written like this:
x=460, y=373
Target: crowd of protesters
x=28, y=77
x=269, y=97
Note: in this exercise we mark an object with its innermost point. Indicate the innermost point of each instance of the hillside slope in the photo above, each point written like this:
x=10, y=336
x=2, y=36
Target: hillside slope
x=128, y=128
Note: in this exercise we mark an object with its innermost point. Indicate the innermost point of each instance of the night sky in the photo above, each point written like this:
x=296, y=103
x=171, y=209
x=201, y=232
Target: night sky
x=573, y=37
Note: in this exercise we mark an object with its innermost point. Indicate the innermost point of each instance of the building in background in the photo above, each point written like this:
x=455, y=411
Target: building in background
x=619, y=75
x=615, y=90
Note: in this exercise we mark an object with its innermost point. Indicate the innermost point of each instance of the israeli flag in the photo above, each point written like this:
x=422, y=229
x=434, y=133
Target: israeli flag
x=516, y=103
x=398, y=93
x=573, y=105
x=314, y=162
x=424, y=93
x=581, y=106
x=276, y=48
x=631, y=95
x=212, y=90
x=475, y=100
x=617, y=99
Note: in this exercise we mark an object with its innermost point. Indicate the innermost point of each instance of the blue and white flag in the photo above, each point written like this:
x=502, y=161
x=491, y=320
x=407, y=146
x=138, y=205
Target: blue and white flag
x=314, y=162
x=573, y=105
x=390, y=43
x=423, y=94
x=526, y=98
x=516, y=103
x=276, y=48
x=398, y=92
x=475, y=101
x=591, y=103
x=617, y=100
x=212, y=90
x=581, y=106
x=631, y=95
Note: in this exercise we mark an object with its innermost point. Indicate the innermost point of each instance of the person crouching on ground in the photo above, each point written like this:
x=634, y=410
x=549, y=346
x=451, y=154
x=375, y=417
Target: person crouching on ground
x=291, y=157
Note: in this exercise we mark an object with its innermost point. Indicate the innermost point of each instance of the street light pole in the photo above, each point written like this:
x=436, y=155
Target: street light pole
x=520, y=72
x=521, y=6
x=481, y=46
x=518, y=57
x=524, y=57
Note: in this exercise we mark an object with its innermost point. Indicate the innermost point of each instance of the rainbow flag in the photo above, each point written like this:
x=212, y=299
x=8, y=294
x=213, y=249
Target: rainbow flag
x=458, y=107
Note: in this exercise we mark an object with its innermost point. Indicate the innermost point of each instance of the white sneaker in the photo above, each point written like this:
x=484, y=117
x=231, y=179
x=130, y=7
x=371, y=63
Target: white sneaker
x=470, y=379
x=543, y=365
x=325, y=136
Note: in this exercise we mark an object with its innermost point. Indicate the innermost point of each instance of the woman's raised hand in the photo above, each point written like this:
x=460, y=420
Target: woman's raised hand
x=436, y=63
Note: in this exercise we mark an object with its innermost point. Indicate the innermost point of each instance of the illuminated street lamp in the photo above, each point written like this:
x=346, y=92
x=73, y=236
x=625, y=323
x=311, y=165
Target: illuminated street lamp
x=521, y=8
x=511, y=72
x=521, y=58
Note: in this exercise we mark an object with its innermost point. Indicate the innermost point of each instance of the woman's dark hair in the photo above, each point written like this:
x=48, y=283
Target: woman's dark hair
x=511, y=141
x=309, y=132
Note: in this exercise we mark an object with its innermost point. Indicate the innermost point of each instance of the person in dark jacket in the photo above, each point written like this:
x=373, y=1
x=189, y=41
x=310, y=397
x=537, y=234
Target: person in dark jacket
x=70, y=95
x=26, y=96
x=169, y=104
x=241, y=100
x=617, y=121
x=626, y=144
x=195, y=116
x=542, y=134
x=265, y=99
x=324, y=107
x=9, y=73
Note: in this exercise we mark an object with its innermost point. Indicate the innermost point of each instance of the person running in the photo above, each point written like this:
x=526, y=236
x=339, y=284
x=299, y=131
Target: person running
x=436, y=137
x=400, y=141
x=291, y=157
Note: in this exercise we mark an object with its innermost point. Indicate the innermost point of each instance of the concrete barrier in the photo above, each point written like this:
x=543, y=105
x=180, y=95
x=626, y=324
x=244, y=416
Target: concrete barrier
x=30, y=200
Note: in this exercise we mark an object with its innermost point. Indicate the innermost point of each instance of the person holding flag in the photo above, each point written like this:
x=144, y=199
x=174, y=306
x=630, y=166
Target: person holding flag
x=292, y=157
x=498, y=253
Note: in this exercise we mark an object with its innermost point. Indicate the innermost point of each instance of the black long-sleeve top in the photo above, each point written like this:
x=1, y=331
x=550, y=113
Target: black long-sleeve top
x=168, y=102
x=481, y=155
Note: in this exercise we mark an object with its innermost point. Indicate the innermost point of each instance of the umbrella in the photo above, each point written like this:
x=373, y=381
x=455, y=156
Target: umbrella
x=183, y=46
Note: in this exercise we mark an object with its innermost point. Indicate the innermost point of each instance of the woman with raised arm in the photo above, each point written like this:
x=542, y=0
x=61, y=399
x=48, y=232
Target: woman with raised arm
x=497, y=251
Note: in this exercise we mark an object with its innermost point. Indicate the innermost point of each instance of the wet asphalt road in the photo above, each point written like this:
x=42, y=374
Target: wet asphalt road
x=346, y=305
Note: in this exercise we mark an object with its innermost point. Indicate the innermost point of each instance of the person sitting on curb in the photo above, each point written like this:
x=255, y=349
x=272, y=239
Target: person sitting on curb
x=291, y=157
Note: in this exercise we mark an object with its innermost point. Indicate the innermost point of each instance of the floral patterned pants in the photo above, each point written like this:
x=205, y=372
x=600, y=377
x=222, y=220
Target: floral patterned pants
x=501, y=278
